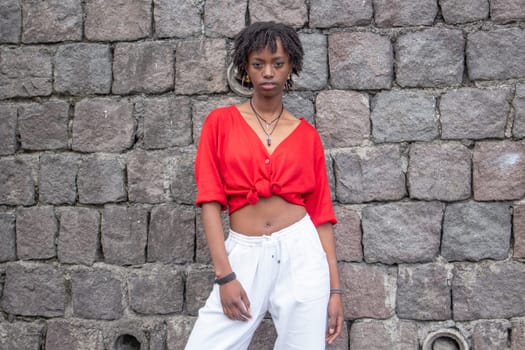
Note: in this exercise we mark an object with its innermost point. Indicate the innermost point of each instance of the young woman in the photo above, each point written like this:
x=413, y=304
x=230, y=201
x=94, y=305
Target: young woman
x=268, y=168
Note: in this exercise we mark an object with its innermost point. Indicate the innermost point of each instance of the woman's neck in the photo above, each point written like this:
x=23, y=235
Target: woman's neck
x=267, y=105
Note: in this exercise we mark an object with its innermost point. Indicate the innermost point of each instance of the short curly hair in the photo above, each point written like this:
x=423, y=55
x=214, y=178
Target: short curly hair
x=260, y=35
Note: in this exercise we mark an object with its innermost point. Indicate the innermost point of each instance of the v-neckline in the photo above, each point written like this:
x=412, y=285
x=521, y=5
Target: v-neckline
x=261, y=143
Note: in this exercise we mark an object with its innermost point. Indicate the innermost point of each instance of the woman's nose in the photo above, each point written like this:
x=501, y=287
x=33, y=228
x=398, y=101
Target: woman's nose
x=268, y=70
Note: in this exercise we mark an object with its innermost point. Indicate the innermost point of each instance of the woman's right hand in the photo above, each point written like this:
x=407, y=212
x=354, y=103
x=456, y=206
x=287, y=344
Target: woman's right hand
x=234, y=300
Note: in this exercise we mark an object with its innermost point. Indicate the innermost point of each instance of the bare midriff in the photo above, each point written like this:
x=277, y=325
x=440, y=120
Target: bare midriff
x=268, y=215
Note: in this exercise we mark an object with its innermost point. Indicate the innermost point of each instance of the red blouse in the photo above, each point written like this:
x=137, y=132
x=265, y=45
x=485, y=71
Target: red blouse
x=234, y=168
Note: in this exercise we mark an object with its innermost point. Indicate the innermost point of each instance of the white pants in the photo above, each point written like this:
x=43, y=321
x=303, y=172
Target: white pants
x=285, y=273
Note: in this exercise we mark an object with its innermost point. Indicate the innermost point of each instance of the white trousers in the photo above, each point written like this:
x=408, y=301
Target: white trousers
x=285, y=273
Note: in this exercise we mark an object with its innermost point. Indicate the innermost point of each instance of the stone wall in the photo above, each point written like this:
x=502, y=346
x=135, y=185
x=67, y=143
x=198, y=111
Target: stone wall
x=420, y=104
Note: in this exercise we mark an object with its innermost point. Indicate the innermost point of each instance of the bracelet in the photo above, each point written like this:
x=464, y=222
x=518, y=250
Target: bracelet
x=228, y=278
x=336, y=291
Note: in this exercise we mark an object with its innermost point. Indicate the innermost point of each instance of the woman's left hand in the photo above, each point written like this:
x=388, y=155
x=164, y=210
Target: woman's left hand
x=335, y=317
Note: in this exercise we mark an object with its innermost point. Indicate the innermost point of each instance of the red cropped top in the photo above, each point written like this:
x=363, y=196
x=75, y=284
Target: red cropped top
x=234, y=168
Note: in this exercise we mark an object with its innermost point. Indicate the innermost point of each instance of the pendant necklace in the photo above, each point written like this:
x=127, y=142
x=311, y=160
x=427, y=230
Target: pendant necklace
x=268, y=124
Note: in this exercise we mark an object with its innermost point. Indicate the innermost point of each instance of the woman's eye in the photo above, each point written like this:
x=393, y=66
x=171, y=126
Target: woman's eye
x=256, y=65
x=278, y=64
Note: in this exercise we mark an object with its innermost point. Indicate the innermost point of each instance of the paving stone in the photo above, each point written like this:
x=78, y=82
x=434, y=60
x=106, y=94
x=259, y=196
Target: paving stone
x=137, y=333
x=64, y=334
x=464, y=11
x=156, y=290
x=430, y=58
x=171, y=234
x=10, y=21
x=369, y=291
x=199, y=284
x=340, y=13
x=147, y=175
x=519, y=231
x=146, y=67
x=490, y=290
x=293, y=13
x=439, y=171
x=26, y=71
x=8, y=121
x=383, y=335
x=348, y=234
x=490, y=334
x=518, y=129
x=117, y=20
x=470, y=113
x=18, y=186
x=423, y=292
x=21, y=335
x=34, y=290
x=96, y=294
x=404, y=116
x=83, y=69
x=7, y=237
x=499, y=170
x=101, y=180
x=182, y=179
x=264, y=337
x=176, y=18
x=518, y=334
x=178, y=331
x=360, y=61
x=207, y=59
x=496, y=55
x=124, y=234
x=44, y=125
x=57, y=178
x=217, y=24
x=380, y=175
x=167, y=122
x=36, y=231
x=314, y=75
x=343, y=118
x=505, y=11
x=78, y=238
x=474, y=231
x=51, y=20
x=405, y=232
x=401, y=13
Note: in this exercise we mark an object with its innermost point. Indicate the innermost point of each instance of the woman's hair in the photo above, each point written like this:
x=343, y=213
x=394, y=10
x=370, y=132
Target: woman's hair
x=260, y=35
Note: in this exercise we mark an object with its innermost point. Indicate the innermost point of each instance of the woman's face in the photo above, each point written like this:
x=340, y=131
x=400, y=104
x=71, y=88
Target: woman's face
x=268, y=71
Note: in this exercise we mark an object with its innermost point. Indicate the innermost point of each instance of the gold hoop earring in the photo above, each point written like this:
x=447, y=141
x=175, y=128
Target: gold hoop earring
x=248, y=79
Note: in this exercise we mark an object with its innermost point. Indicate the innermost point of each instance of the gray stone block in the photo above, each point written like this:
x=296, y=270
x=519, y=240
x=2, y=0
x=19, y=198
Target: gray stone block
x=505, y=11
x=464, y=11
x=369, y=291
x=293, y=13
x=518, y=334
x=360, y=61
x=156, y=290
x=199, y=284
x=217, y=23
x=493, y=334
x=147, y=173
x=343, y=118
x=299, y=105
x=392, y=334
x=18, y=187
x=83, y=68
x=264, y=337
x=177, y=18
x=10, y=21
x=496, y=55
x=368, y=174
x=406, y=232
x=7, y=237
x=44, y=125
x=348, y=234
x=143, y=67
x=34, y=290
x=78, y=238
x=101, y=180
x=21, y=335
x=439, y=171
x=36, y=231
x=401, y=13
x=499, y=170
x=430, y=58
x=26, y=71
x=471, y=113
x=117, y=20
x=182, y=179
x=314, y=75
x=207, y=59
x=491, y=290
x=519, y=231
x=96, y=294
x=340, y=13
x=138, y=333
x=8, y=121
x=518, y=129
x=167, y=122
x=178, y=331
x=64, y=334
x=171, y=236
x=475, y=231
x=124, y=234
x=404, y=116
x=57, y=178
x=51, y=20
x=423, y=292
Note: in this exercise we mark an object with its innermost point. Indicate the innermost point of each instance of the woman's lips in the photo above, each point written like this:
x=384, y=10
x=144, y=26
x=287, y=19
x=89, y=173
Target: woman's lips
x=268, y=86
